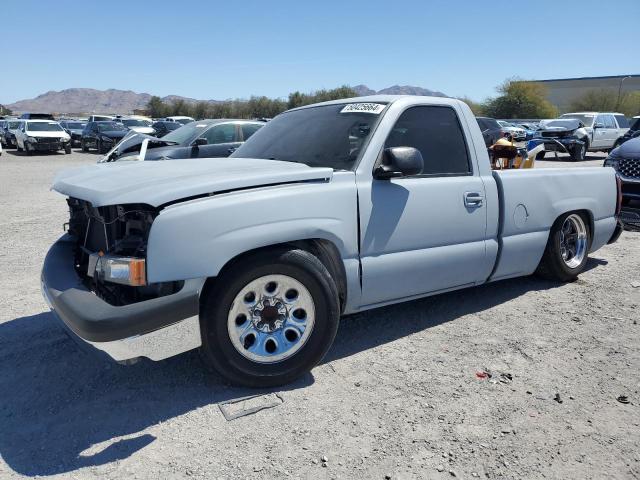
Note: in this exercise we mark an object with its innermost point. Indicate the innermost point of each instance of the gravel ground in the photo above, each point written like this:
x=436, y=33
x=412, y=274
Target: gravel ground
x=398, y=396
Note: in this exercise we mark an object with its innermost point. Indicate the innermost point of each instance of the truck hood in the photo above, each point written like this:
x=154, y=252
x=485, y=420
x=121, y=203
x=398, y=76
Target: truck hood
x=158, y=183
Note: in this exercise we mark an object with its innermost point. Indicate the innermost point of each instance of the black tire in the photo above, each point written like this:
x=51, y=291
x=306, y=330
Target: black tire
x=99, y=146
x=83, y=146
x=67, y=149
x=552, y=265
x=217, y=348
x=540, y=155
x=579, y=152
x=18, y=147
x=27, y=151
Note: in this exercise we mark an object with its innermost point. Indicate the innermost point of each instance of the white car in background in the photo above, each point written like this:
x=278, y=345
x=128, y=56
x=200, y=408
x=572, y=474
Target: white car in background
x=138, y=125
x=605, y=129
x=180, y=119
x=516, y=132
x=42, y=136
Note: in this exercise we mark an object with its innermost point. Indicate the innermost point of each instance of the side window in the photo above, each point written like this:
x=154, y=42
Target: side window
x=609, y=122
x=623, y=122
x=249, y=129
x=600, y=119
x=225, y=133
x=436, y=132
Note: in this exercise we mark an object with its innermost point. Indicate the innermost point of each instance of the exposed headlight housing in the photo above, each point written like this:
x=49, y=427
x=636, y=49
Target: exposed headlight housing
x=106, y=139
x=31, y=139
x=116, y=269
x=65, y=139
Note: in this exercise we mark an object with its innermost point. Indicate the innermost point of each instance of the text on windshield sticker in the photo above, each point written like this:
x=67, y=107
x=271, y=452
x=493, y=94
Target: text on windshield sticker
x=374, y=108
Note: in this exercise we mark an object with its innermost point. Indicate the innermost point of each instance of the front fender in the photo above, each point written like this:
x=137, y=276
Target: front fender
x=197, y=238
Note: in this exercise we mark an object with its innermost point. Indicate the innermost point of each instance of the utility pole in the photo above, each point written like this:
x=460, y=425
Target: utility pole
x=620, y=91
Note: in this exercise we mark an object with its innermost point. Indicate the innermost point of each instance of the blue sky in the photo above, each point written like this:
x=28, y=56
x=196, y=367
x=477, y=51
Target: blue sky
x=219, y=50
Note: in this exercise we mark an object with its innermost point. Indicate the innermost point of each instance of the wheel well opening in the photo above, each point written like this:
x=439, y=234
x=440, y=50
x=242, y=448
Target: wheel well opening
x=322, y=249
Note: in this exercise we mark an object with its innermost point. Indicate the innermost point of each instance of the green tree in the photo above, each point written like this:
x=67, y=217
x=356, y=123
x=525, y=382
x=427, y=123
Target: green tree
x=600, y=100
x=156, y=108
x=520, y=99
x=476, y=108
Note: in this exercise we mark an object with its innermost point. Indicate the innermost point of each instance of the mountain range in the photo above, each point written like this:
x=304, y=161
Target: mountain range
x=89, y=100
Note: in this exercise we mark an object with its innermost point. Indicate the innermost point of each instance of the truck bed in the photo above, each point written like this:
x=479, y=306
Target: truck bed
x=530, y=200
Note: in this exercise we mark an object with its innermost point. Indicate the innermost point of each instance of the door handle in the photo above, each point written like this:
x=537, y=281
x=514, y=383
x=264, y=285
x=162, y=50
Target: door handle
x=473, y=199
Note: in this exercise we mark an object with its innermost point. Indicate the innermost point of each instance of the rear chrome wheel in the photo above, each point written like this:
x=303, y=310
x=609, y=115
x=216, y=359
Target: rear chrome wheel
x=566, y=253
x=271, y=318
x=573, y=240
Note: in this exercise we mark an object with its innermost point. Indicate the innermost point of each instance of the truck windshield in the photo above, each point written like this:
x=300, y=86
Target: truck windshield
x=326, y=136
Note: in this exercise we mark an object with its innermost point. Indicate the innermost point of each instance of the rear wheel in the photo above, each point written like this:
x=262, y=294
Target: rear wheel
x=566, y=253
x=270, y=318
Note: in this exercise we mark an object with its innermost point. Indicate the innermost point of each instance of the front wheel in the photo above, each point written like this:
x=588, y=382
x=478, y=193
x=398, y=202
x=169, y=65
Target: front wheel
x=579, y=152
x=83, y=145
x=565, y=255
x=270, y=318
x=67, y=149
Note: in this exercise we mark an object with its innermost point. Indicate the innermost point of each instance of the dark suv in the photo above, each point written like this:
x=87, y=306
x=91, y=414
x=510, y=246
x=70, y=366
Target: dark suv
x=491, y=130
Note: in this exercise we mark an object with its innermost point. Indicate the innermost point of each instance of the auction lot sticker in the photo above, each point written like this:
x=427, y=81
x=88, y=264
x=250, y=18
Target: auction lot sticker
x=374, y=108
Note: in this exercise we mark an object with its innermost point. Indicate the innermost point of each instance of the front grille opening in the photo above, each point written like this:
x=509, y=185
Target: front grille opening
x=117, y=230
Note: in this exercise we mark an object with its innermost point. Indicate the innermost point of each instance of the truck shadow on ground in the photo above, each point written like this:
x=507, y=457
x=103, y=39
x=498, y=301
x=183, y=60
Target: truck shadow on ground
x=59, y=407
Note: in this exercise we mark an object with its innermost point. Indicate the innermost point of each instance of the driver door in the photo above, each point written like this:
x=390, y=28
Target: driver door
x=424, y=233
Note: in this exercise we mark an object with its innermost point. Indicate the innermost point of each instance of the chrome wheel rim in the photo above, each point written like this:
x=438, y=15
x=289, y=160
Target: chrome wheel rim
x=573, y=241
x=271, y=318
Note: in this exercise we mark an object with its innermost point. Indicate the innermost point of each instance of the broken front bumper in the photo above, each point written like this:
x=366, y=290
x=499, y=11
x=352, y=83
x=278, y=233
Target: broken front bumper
x=158, y=328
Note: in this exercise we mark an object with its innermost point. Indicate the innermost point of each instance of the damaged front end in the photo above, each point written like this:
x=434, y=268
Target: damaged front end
x=564, y=136
x=110, y=251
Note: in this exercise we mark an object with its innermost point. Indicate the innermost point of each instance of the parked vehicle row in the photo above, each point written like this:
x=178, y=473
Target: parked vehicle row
x=201, y=139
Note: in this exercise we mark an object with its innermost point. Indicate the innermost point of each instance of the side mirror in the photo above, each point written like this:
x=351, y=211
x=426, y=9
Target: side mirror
x=199, y=141
x=599, y=125
x=399, y=162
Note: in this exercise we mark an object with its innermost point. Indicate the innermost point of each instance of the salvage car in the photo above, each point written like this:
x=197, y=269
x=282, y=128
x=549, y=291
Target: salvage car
x=42, y=136
x=137, y=125
x=491, y=130
x=565, y=135
x=329, y=209
x=180, y=119
x=9, y=134
x=102, y=135
x=633, y=132
x=201, y=139
x=517, y=133
x=626, y=161
x=604, y=129
x=74, y=128
x=162, y=128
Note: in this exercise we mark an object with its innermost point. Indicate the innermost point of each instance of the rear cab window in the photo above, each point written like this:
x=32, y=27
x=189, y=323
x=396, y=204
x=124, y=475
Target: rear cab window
x=436, y=132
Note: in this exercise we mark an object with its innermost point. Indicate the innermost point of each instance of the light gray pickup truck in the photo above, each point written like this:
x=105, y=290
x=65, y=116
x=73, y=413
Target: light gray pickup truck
x=328, y=210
